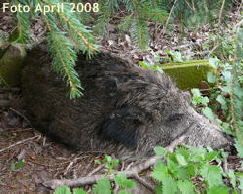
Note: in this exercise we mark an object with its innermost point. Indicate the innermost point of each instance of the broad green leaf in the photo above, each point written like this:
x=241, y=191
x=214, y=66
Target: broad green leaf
x=79, y=191
x=208, y=113
x=232, y=178
x=62, y=190
x=177, y=56
x=185, y=186
x=103, y=186
x=196, y=92
x=198, y=154
x=241, y=182
x=158, y=189
x=227, y=76
x=222, y=189
x=183, y=151
x=224, y=154
x=212, y=175
x=226, y=128
x=181, y=160
x=238, y=90
x=123, y=192
x=225, y=89
x=97, y=162
x=211, y=156
x=184, y=173
x=159, y=151
x=214, y=62
x=169, y=185
x=160, y=171
x=222, y=102
x=211, y=77
x=107, y=159
x=239, y=147
x=197, y=97
x=122, y=181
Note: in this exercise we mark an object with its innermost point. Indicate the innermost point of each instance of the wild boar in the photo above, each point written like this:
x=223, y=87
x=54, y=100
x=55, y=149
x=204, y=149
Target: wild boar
x=125, y=109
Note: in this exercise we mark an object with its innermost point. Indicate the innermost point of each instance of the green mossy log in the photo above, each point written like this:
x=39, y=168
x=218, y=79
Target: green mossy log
x=189, y=74
x=11, y=64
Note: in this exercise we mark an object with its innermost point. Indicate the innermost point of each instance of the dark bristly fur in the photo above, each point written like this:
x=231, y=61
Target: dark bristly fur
x=125, y=109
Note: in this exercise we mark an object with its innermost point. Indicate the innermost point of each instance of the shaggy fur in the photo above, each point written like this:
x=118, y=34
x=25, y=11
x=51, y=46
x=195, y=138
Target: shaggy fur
x=125, y=110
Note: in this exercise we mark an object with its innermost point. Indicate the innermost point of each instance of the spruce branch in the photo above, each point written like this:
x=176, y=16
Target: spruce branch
x=61, y=45
x=23, y=24
x=64, y=57
x=78, y=32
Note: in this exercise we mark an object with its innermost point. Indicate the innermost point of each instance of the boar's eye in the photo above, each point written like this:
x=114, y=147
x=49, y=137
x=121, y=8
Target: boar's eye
x=175, y=117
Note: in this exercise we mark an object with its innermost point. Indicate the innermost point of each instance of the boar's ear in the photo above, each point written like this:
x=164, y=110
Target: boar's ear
x=123, y=126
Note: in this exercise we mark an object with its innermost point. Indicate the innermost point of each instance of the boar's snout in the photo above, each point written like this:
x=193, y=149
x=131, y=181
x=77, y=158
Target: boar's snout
x=204, y=133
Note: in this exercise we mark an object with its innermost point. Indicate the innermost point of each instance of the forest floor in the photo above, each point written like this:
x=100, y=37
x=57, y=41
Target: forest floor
x=28, y=158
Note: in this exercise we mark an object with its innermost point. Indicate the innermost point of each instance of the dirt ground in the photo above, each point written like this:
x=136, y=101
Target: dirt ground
x=27, y=157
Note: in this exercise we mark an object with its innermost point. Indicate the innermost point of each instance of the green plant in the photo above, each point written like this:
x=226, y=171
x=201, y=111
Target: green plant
x=16, y=165
x=66, y=190
x=174, y=56
x=221, y=43
x=155, y=67
x=197, y=98
x=109, y=163
x=181, y=170
x=103, y=186
x=227, y=97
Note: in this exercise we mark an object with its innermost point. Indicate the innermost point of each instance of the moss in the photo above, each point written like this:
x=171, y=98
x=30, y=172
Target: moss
x=11, y=64
x=189, y=74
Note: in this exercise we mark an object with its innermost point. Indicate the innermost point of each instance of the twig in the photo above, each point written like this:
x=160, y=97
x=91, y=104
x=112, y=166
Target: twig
x=213, y=49
x=144, y=183
x=19, y=142
x=225, y=165
x=221, y=11
x=129, y=166
x=20, y=114
x=16, y=131
x=67, y=169
x=115, y=191
x=96, y=169
x=122, y=165
x=239, y=24
x=167, y=21
x=12, y=89
x=132, y=173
